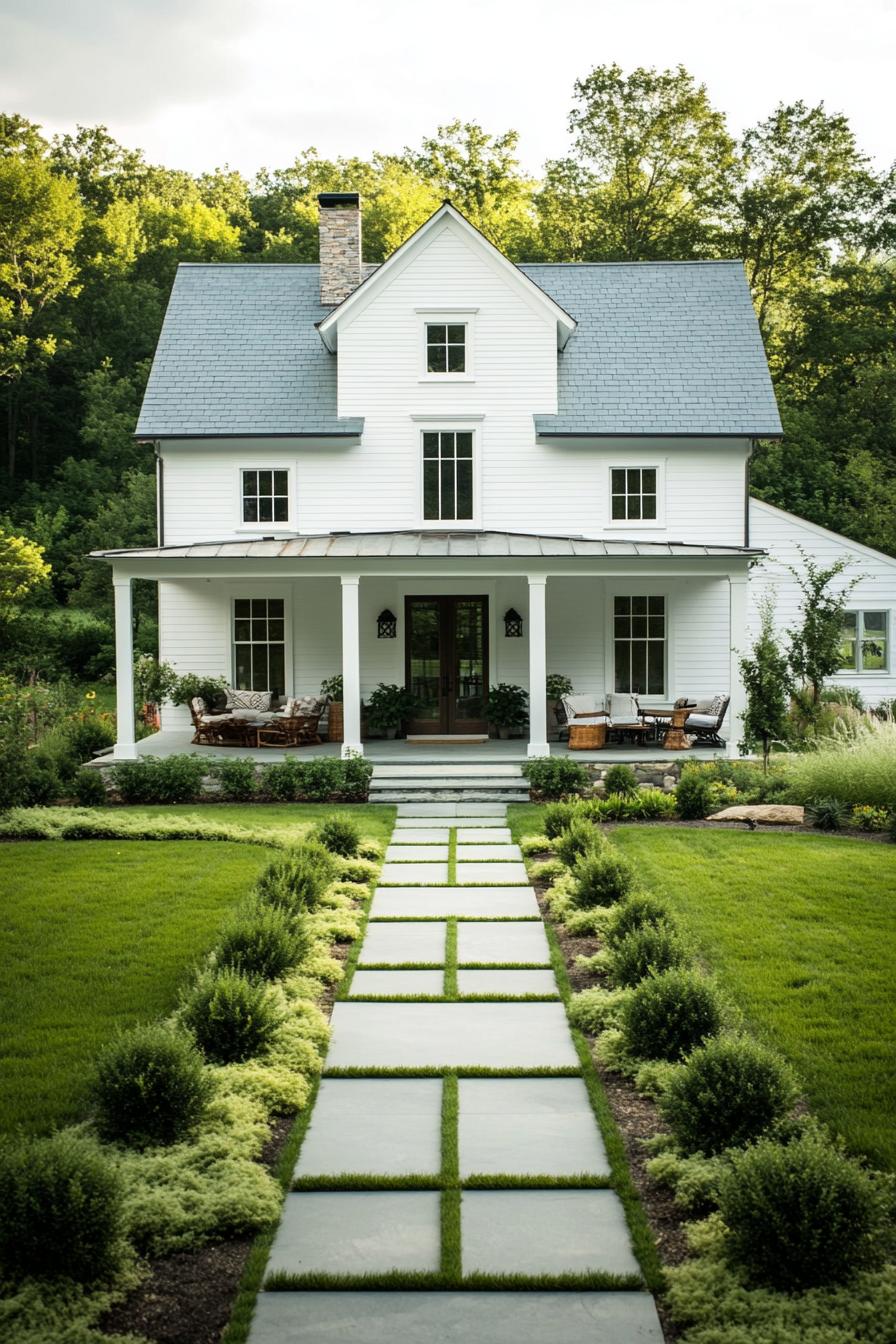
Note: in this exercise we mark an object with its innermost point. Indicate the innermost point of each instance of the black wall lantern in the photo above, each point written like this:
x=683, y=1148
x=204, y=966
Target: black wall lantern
x=386, y=625
x=513, y=624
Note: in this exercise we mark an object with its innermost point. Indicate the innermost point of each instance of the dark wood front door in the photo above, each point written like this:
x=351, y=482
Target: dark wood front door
x=446, y=663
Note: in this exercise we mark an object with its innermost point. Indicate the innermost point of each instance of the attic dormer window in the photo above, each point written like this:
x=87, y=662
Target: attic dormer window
x=446, y=347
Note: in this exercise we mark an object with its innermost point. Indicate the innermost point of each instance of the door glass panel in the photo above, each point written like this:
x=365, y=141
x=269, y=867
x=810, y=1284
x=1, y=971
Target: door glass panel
x=469, y=672
x=425, y=658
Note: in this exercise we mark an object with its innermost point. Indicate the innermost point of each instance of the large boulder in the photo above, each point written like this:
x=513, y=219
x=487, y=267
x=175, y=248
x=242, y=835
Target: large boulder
x=765, y=814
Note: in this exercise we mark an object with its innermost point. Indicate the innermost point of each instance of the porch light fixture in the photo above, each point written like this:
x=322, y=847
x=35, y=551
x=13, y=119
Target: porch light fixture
x=386, y=625
x=513, y=624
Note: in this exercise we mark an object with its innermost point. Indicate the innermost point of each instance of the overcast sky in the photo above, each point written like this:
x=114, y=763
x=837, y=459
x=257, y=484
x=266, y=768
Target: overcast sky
x=201, y=83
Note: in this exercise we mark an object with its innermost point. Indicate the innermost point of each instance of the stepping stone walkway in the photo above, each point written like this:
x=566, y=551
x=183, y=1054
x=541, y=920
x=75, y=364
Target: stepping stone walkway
x=453, y=1182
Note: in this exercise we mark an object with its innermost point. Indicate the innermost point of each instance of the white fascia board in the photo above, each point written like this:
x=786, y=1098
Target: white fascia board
x=445, y=217
x=819, y=531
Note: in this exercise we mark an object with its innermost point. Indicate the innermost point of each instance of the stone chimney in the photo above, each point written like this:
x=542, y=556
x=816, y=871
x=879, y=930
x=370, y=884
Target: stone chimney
x=340, y=245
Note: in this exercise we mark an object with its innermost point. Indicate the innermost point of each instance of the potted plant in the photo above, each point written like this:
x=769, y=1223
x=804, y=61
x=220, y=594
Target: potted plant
x=557, y=686
x=210, y=689
x=331, y=689
x=155, y=682
x=388, y=707
x=508, y=709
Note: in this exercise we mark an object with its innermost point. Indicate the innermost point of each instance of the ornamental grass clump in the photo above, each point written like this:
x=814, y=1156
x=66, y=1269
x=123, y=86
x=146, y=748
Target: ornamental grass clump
x=646, y=951
x=800, y=1215
x=232, y=1018
x=855, y=765
x=339, y=834
x=263, y=941
x=601, y=877
x=297, y=879
x=151, y=1087
x=62, y=1209
x=669, y=1015
x=580, y=837
x=727, y=1093
x=638, y=910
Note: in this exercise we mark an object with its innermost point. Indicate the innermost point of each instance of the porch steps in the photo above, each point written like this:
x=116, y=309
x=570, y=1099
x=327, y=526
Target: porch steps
x=449, y=783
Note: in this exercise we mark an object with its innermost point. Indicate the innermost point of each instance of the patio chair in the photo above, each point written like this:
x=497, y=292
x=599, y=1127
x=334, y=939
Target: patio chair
x=705, y=719
x=620, y=714
x=215, y=730
x=624, y=719
x=582, y=709
x=297, y=726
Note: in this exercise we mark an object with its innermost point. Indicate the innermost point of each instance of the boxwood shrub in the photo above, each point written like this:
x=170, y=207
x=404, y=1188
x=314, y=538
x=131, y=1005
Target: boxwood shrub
x=601, y=877
x=555, y=776
x=621, y=779
x=729, y=1091
x=298, y=878
x=88, y=789
x=559, y=816
x=151, y=1086
x=62, y=1209
x=263, y=941
x=340, y=834
x=651, y=949
x=580, y=837
x=800, y=1215
x=231, y=1017
x=669, y=1015
x=172, y=779
x=693, y=793
x=635, y=912
x=237, y=778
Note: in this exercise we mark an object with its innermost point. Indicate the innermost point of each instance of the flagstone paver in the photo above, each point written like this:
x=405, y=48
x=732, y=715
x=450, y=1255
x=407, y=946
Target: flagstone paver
x=395, y=944
x=490, y=872
x=528, y=1127
x=451, y=1318
x=516, y=902
x=544, y=1232
x=502, y=942
x=450, y=1035
x=378, y=1126
x=394, y=984
x=509, y=984
x=351, y=1232
x=416, y=853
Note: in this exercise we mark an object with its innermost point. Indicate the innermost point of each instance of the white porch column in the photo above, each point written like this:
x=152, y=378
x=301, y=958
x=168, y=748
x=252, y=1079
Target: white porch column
x=538, y=724
x=737, y=585
x=125, y=745
x=351, y=666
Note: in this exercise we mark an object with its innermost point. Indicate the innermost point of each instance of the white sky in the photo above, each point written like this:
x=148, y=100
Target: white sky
x=201, y=83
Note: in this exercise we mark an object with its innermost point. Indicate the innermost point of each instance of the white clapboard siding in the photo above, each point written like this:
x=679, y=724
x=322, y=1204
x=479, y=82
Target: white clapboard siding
x=781, y=535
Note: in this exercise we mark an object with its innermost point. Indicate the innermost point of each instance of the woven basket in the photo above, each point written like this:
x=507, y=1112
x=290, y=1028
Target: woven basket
x=334, y=721
x=587, y=736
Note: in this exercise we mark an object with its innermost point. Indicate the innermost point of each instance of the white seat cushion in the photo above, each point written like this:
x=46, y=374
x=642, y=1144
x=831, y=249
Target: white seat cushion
x=701, y=721
x=587, y=721
x=580, y=704
x=623, y=709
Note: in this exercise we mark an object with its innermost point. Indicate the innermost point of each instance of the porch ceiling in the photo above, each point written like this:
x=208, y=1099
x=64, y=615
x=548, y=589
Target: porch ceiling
x=427, y=545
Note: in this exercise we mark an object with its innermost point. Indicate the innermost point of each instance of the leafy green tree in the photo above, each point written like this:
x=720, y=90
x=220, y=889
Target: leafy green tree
x=768, y=684
x=22, y=571
x=659, y=164
x=816, y=642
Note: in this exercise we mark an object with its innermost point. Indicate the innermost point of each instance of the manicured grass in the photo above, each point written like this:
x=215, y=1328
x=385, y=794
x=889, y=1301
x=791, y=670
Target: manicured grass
x=800, y=931
x=281, y=819
x=95, y=935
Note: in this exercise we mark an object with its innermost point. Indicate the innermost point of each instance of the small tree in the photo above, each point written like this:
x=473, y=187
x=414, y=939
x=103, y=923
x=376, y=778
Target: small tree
x=768, y=684
x=815, y=644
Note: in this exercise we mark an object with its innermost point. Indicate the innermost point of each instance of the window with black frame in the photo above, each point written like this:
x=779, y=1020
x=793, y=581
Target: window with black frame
x=639, y=645
x=447, y=475
x=265, y=495
x=446, y=347
x=259, y=644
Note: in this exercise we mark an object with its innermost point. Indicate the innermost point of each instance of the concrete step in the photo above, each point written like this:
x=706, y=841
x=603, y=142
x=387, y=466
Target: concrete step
x=453, y=770
x=399, y=795
x=436, y=780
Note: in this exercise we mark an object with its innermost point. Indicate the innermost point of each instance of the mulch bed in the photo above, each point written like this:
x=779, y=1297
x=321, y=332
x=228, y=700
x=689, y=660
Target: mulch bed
x=187, y=1298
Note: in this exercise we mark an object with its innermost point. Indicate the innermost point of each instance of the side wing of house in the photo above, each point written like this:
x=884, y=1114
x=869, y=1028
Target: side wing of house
x=869, y=663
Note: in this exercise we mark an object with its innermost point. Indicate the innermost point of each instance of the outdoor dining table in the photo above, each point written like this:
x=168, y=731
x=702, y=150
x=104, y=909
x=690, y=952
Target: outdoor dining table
x=675, y=738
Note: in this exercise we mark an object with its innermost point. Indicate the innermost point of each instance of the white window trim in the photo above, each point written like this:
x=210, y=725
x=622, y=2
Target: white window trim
x=457, y=317
x=848, y=674
x=639, y=589
x=446, y=425
x=265, y=528
x=269, y=591
x=636, y=524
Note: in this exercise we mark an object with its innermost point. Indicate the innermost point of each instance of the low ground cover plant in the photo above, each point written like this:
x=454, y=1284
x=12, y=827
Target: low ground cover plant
x=669, y=1015
x=728, y=1092
x=150, y=1087
x=62, y=1209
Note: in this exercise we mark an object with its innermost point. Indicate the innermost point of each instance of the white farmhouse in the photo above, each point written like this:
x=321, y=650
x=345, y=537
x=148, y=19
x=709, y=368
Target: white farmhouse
x=449, y=471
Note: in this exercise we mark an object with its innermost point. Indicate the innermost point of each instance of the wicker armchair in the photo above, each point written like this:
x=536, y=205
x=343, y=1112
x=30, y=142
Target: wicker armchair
x=298, y=727
x=215, y=730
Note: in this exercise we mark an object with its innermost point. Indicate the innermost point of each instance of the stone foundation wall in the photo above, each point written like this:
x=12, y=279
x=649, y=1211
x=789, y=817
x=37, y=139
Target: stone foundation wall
x=654, y=774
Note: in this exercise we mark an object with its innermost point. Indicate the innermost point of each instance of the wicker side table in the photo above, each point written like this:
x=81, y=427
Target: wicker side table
x=587, y=736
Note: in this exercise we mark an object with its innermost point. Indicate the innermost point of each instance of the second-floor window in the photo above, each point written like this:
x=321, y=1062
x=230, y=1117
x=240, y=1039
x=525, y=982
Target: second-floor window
x=447, y=475
x=446, y=347
x=633, y=494
x=863, y=644
x=265, y=495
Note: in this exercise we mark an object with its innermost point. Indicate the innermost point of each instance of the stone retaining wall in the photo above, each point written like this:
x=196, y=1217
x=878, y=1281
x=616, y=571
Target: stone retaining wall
x=656, y=774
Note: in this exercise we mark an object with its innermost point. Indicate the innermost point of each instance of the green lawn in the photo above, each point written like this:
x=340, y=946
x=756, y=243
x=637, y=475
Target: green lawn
x=95, y=935
x=801, y=932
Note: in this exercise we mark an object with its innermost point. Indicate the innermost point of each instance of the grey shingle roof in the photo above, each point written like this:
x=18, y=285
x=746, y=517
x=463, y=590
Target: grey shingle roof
x=239, y=354
x=401, y=544
x=661, y=348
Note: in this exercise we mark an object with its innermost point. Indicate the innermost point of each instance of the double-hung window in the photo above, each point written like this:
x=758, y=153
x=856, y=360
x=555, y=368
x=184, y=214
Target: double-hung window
x=265, y=495
x=639, y=645
x=864, y=641
x=259, y=644
x=448, y=475
x=446, y=347
x=633, y=494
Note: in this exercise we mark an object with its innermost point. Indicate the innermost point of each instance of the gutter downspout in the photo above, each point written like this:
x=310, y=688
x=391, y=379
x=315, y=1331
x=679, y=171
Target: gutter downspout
x=747, y=493
x=160, y=495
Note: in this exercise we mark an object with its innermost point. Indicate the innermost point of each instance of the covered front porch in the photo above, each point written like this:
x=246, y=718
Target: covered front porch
x=448, y=616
